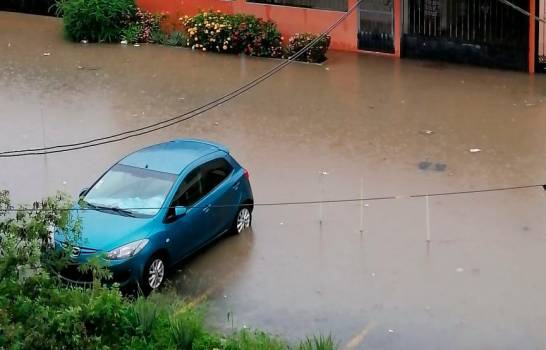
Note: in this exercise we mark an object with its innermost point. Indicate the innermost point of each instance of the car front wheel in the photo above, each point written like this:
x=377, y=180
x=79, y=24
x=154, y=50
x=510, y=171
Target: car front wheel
x=153, y=274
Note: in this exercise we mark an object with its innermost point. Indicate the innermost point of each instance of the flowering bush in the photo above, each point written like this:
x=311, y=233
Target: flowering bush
x=316, y=54
x=111, y=20
x=209, y=31
x=143, y=27
x=149, y=24
x=219, y=32
x=267, y=42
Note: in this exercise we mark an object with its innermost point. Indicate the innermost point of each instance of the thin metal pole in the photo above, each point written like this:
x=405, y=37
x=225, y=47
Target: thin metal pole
x=321, y=210
x=427, y=215
x=362, y=205
x=46, y=173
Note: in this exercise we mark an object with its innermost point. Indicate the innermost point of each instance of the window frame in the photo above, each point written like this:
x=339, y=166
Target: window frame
x=261, y=2
x=221, y=159
x=177, y=195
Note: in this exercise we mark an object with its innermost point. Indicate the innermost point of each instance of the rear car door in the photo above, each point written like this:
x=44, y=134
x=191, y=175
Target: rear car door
x=221, y=198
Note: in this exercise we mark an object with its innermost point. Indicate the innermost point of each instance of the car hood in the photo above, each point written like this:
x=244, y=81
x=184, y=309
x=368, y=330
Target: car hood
x=104, y=230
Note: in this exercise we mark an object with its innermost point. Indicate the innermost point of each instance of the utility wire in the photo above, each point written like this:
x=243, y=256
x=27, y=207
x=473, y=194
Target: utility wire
x=182, y=117
x=519, y=9
x=311, y=202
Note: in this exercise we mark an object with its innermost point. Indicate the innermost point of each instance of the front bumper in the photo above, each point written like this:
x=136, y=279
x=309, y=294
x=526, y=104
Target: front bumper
x=72, y=275
x=124, y=272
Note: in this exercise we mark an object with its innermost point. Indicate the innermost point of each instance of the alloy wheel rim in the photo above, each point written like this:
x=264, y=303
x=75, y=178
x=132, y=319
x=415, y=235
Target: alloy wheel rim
x=156, y=273
x=243, y=220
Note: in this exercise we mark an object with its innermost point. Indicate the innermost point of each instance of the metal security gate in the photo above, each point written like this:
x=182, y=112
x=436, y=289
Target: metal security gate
x=38, y=7
x=484, y=32
x=376, y=26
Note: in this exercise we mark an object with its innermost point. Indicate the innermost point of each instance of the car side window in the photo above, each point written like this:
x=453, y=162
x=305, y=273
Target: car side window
x=214, y=172
x=191, y=189
x=200, y=181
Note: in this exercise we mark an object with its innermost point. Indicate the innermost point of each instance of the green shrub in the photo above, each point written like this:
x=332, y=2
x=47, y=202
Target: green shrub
x=267, y=42
x=250, y=340
x=177, y=39
x=316, y=54
x=96, y=20
x=132, y=33
x=320, y=342
x=158, y=37
x=185, y=329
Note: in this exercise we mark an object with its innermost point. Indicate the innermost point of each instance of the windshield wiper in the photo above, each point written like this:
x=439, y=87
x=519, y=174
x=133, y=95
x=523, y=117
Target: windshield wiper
x=91, y=205
x=121, y=211
x=118, y=210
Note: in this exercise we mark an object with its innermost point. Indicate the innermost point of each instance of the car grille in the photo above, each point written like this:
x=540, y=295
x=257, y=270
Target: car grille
x=77, y=251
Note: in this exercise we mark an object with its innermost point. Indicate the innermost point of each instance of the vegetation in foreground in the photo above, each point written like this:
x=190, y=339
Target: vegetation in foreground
x=37, y=311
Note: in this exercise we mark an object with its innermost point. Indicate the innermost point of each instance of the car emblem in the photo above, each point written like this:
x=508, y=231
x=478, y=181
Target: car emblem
x=75, y=252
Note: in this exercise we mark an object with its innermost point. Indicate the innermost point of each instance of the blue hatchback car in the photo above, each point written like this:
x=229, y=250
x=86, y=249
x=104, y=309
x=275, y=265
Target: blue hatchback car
x=159, y=205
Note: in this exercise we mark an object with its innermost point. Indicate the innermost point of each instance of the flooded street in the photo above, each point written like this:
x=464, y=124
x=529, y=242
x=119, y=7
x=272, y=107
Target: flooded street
x=397, y=127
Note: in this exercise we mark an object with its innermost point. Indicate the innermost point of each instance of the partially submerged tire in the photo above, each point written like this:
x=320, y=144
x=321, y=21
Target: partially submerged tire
x=243, y=220
x=154, y=274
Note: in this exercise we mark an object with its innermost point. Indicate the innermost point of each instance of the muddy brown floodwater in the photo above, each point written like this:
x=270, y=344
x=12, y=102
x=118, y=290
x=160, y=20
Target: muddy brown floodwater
x=479, y=284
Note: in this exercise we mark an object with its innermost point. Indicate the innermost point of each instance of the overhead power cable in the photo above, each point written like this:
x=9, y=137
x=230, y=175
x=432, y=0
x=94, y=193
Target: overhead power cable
x=182, y=117
x=519, y=9
x=311, y=202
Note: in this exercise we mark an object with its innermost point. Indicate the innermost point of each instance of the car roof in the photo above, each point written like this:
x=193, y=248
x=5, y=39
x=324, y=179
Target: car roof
x=173, y=156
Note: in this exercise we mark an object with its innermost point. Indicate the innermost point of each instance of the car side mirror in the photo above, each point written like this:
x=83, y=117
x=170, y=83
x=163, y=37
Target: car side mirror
x=180, y=211
x=83, y=192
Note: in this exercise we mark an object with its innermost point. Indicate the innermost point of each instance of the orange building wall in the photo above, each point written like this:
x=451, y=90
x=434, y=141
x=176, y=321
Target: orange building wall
x=290, y=20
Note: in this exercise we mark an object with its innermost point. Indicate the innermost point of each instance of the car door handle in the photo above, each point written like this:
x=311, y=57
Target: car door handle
x=236, y=186
x=206, y=209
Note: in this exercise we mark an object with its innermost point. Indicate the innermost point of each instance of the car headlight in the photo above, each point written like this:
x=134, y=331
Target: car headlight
x=127, y=251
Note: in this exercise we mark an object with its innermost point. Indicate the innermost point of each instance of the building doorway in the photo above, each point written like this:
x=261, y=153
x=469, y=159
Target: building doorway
x=376, y=26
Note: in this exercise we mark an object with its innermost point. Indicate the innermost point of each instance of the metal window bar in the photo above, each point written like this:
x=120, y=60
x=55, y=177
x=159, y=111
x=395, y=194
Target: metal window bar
x=335, y=5
x=542, y=33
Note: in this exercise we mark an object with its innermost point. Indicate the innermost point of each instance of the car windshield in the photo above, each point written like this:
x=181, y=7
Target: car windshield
x=133, y=190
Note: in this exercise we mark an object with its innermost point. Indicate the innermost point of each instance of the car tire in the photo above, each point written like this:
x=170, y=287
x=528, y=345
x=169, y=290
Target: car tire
x=153, y=275
x=243, y=220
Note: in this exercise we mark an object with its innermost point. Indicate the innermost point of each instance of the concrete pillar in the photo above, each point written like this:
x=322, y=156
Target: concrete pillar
x=532, y=35
x=398, y=26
